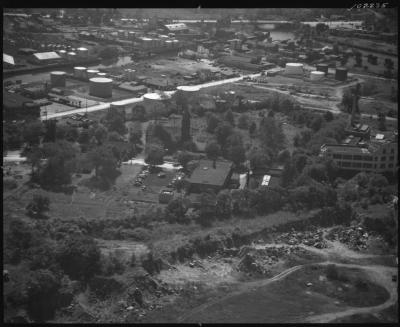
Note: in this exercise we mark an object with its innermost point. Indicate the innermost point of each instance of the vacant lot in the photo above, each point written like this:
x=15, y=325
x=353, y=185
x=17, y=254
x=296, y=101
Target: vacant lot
x=290, y=300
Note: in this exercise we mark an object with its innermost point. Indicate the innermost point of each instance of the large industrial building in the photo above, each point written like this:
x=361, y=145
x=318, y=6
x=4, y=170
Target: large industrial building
x=379, y=155
x=43, y=58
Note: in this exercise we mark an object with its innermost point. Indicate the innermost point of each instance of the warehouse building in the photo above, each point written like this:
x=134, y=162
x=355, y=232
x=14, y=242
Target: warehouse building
x=209, y=174
x=45, y=58
x=176, y=28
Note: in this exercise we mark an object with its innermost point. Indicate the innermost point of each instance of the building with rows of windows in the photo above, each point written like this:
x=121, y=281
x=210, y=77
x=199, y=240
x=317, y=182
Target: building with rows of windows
x=379, y=154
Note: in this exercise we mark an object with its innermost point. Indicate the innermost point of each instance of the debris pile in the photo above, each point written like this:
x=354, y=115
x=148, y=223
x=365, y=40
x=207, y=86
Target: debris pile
x=355, y=237
x=311, y=238
x=260, y=260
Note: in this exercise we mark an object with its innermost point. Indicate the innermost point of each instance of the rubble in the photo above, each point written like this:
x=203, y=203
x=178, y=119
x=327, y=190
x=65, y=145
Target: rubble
x=355, y=237
x=310, y=238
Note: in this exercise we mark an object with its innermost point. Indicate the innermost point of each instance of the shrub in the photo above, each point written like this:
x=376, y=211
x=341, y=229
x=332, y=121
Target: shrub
x=38, y=205
x=332, y=272
x=79, y=257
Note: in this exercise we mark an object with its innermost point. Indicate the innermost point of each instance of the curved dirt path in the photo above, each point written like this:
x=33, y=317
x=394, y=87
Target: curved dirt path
x=381, y=275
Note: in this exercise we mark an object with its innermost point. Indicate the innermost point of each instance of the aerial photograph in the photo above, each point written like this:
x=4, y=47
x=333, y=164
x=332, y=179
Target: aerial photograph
x=200, y=165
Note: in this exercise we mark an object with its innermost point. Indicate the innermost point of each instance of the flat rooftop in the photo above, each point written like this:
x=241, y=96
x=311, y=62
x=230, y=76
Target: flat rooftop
x=347, y=149
x=205, y=173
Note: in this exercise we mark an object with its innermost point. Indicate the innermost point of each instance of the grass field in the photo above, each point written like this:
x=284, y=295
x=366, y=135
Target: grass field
x=289, y=300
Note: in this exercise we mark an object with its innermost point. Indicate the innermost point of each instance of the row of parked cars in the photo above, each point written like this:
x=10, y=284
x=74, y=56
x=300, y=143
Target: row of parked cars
x=141, y=177
x=178, y=177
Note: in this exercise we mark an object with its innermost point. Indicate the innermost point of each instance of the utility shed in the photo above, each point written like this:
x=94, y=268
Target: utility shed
x=210, y=174
x=8, y=60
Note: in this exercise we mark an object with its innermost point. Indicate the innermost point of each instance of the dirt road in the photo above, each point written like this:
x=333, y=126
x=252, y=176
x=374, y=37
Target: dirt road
x=381, y=275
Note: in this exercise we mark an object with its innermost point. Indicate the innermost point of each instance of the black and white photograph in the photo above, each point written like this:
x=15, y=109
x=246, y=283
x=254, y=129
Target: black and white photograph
x=200, y=165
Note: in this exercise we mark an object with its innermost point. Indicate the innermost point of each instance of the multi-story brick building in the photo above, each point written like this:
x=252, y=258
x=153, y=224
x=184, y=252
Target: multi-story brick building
x=380, y=154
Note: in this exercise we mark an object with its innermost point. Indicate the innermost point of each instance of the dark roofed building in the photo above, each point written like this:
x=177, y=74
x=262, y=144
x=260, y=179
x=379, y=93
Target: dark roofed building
x=16, y=106
x=163, y=84
x=210, y=174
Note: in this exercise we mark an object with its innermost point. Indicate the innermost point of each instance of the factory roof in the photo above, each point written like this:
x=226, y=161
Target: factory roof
x=205, y=173
x=8, y=59
x=176, y=27
x=46, y=55
x=347, y=149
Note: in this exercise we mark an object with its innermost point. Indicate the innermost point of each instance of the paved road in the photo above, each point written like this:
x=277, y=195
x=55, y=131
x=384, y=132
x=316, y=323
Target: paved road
x=104, y=106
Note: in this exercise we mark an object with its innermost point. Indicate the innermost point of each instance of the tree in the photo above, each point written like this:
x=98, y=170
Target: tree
x=104, y=162
x=66, y=132
x=79, y=257
x=316, y=123
x=114, y=137
x=300, y=161
x=32, y=132
x=183, y=157
x=358, y=57
x=230, y=117
x=328, y=116
x=115, y=122
x=155, y=154
x=50, y=130
x=347, y=100
x=135, y=134
x=288, y=174
x=223, y=205
x=213, y=150
x=42, y=286
x=212, y=123
x=175, y=211
x=38, y=206
x=55, y=173
x=271, y=134
x=159, y=132
x=243, y=121
x=185, y=128
x=100, y=133
x=207, y=208
x=63, y=149
x=381, y=121
x=237, y=154
x=259, y=160
x=222, y=132
x=284, y=156
x=320, y=28
x=331, y=272
x=33, y=155
x=84, y=136
x=253, y=129
x=138, y=113
x=109, y=52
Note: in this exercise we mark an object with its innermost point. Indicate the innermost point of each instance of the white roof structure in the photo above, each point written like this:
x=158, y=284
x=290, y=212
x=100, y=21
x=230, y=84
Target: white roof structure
x=152, y=96
x=8, y=59
x=265, y=180
x=46, y=55
x=189, y=88
x=176, y=27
